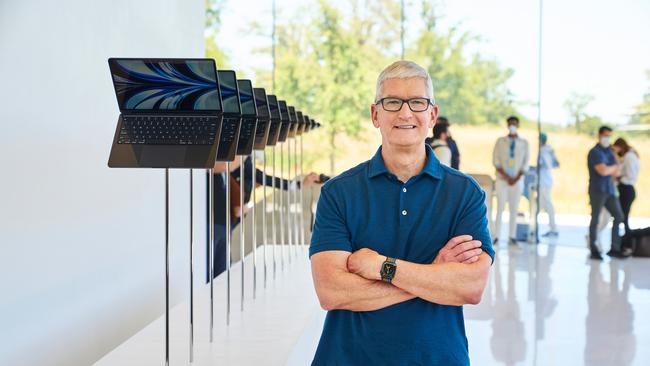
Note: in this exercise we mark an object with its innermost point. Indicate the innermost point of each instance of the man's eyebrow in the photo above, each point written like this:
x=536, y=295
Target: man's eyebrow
x=408, y=97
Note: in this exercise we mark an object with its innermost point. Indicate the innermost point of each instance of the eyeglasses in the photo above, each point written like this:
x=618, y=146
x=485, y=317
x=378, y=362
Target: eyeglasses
x=391, y=104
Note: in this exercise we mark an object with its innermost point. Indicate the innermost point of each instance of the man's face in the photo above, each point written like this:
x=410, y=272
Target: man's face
x=404, y=128
x=605, y=134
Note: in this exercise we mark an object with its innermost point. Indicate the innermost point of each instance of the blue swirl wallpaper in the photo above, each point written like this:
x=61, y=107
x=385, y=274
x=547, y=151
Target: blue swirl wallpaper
x=179, y=85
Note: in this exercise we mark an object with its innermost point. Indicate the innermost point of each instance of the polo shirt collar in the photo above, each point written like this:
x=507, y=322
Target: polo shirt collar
x=431, y=167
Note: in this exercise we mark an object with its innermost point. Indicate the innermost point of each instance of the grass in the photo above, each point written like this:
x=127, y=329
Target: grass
x=476, y=144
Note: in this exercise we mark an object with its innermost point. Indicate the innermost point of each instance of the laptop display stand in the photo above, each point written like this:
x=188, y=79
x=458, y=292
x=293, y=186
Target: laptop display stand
x=254, y=231
x=211, y=247
x=288, y=202
x=167, y=266
x=273, y=209
x=191, y=266
x=281, y=208
x=242, y=231
x=264, y=233
x=228, y=244
x=302, y=205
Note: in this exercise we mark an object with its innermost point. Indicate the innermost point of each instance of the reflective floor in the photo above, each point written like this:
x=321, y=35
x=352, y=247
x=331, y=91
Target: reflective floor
x=550, y=305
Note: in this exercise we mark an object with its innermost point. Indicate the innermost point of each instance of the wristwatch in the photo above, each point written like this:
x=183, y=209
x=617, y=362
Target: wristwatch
x=388, y=270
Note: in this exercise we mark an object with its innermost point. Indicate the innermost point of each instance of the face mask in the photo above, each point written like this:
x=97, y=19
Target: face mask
x=512, y=129
x=604, y=141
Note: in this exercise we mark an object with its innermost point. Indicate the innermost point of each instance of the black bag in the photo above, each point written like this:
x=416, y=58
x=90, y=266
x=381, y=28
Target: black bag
x=639, y=241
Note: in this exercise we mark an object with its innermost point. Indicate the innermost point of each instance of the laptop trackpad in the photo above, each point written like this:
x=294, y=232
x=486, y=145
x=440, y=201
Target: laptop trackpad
x=162, y=156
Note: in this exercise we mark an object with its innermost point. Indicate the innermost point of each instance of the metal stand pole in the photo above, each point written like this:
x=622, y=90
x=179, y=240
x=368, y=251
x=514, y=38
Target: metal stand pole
x=302, y=203
x=211, y=247
x=167, y=267
x=288, y=200
x=242, y=241
x=191, y=266
x=254, y=231
x=264, y=241
x=275, y=202
x=298, y=210
x=281, y=209
x=228, y=243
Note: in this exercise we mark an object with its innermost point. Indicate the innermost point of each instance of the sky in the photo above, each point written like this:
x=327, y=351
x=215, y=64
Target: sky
x=595, y=47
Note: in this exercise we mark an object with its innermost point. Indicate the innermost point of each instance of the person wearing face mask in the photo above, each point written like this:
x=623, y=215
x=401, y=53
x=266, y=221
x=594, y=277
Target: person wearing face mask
x=510, y=159
x=602, y=193
x=547, y=162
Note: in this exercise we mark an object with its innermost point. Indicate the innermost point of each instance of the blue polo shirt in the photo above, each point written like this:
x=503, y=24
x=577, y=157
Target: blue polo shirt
x=598, y=183
x=368, y=206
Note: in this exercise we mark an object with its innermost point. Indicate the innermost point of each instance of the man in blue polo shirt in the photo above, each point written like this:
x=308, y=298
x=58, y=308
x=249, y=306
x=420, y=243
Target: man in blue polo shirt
x=602, y=193
x=400, y=242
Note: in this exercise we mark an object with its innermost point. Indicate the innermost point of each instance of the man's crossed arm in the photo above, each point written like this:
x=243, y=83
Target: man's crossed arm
x=351, y=281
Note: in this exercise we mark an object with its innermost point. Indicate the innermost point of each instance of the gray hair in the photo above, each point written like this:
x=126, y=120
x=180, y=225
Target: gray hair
x=404, y=70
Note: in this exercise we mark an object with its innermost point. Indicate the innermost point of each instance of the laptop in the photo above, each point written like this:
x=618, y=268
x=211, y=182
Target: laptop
x=249, y=117
x=293, y=118
x=303, y=125
x=263, y=119
x=231, y=124
x=286, y=118
x=296, y=128
x=276, y=120
x=170, y=113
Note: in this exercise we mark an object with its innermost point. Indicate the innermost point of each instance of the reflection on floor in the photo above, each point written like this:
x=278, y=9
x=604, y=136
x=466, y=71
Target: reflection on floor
x=550, y=305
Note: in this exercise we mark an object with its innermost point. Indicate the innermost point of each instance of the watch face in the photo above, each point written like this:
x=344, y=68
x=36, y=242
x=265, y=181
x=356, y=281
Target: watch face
x=388, y=270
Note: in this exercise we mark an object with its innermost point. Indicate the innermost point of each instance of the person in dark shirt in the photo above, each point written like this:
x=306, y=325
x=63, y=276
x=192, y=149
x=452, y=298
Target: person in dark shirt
x=219, y=198
x=603, y=167
x=400, y=243
x=453, y=146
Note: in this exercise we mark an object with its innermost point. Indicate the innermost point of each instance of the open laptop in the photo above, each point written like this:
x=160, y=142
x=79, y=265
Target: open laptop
x=296, y=129
x=249, y=117
x=286, y=118
x=231, y=116
x=276, y=120
x=303, y=125
x=294, y=120
x=171, y=113
x=263, y=119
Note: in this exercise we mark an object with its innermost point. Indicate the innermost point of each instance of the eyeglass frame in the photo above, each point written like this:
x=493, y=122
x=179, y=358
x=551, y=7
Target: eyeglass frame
x=407, y=101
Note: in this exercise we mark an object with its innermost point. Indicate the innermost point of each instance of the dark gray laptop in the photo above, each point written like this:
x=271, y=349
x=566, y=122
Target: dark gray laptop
x=171, y=113
x=263, y=119
x=232, y=116
x=249, y=117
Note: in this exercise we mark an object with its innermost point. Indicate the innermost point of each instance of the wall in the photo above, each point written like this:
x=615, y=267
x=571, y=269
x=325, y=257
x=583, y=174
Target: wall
x=82, y=245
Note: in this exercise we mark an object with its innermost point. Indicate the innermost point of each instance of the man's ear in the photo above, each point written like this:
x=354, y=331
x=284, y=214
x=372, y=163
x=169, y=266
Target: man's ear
x=373, y=115
x=434, y=115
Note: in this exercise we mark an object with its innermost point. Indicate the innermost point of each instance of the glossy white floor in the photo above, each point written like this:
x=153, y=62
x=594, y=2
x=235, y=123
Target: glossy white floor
x=544, y=305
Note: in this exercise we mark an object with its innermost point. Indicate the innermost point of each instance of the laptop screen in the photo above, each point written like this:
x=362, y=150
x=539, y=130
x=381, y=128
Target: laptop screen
x=246, y=98
x=165, y=84
x=229, y=91
x=262, y=103
x=284, y=114
x=292, y=114
x=273, y=106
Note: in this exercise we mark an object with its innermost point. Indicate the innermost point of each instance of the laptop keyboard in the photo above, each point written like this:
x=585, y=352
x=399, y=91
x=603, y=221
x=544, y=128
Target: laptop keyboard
x=168, y=130
x=228, y=130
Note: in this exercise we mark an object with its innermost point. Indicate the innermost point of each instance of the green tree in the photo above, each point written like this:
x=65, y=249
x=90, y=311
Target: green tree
x=328, y=67
x=213, y=9
x=575, y=105
x=469, y=90
x=642, y=111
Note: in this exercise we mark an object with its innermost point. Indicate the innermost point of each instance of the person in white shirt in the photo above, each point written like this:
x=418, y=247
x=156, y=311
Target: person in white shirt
x=547, y=162
x=510, y=159
x=630, y=166
x=439, y=144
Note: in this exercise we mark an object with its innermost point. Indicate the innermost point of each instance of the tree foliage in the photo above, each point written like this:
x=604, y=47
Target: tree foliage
x=642, y=111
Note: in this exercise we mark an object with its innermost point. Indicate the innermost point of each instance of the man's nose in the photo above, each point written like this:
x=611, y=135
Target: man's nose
x=405, y=112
